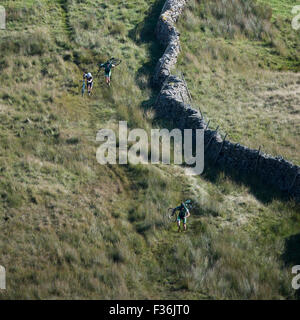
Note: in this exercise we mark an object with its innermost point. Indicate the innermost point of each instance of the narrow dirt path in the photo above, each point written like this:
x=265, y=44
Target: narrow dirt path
x=66, y=18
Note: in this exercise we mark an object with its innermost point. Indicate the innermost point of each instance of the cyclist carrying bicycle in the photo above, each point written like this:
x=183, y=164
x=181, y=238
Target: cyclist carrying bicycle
x=107, y=70
x=183, y=214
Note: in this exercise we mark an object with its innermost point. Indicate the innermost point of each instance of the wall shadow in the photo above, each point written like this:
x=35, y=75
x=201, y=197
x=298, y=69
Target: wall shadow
x=215, y=173
x=291, y=255
x=256, y=187
x=144, y=33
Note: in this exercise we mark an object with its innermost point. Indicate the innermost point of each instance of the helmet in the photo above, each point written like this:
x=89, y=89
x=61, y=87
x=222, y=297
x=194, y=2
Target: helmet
x=188, y=203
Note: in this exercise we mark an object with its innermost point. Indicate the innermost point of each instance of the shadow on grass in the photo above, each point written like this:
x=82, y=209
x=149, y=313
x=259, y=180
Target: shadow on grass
x=144, y=33
x=291, y=255
x=256, y=187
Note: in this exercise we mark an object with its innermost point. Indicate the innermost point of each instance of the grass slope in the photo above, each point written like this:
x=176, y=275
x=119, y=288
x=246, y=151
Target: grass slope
x=70, y=228
x=240, y=64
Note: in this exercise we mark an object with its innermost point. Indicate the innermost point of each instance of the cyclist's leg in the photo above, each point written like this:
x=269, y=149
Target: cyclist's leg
x=109, y=77
x=184, y=224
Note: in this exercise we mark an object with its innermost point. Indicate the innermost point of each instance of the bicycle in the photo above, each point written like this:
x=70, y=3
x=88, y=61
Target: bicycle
x=113, y=61
x=171, y=216
x=83, y=88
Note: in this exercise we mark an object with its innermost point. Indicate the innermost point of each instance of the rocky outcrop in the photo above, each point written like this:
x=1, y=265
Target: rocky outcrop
x=172, y=105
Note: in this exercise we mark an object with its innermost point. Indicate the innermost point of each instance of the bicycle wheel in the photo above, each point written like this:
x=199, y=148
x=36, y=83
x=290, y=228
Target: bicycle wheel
x=83, y=89
x=169, y=216
x=115, y=61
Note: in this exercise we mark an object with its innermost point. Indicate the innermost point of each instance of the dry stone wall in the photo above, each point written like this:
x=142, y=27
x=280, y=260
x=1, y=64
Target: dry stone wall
x=172, y=105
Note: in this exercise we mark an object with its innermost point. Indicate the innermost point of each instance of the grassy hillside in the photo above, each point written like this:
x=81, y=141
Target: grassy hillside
x=71, y=228
x=241, y=64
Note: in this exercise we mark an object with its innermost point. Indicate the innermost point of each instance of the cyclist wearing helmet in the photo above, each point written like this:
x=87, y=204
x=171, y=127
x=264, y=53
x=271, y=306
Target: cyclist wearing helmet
x=107, y=70
x=89, y=81
x=183, y=214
